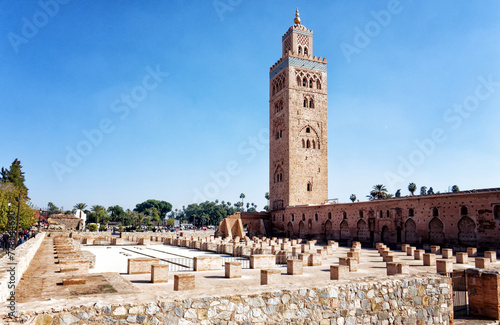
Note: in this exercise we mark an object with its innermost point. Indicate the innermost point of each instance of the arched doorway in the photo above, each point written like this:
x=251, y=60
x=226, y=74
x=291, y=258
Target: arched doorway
x=344, y=231
x=384, y=235
x=289, y=230
x=363, y=232
x=436, y=233
x=467, y=232
x=328, y=230
x=302, y=230
x=398, y=235
x=410, y=232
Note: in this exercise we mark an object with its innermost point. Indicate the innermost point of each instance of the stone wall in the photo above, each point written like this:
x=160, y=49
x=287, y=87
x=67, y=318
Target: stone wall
x=22, y=256
x=396, y=300
x=464, y=219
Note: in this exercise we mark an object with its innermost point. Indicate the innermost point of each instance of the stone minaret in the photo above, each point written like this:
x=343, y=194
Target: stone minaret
x=298, y=157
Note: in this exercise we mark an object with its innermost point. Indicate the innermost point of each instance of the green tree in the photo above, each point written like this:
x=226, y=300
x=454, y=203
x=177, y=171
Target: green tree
x=430, y=191
x=423, y=190
x=352, y=197
x=99, y=213
x=81, y=207
x=27, y=215
x=455, y=189
x=52, y=209
x=378, y=192
x=163, y=207
x=15, y=176
x=398, y=193
x=116, y=213
x=412, y=187
x=242, y=197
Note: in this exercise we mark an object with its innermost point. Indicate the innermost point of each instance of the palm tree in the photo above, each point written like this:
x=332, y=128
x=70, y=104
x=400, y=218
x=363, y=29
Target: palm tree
x=378, y=192
x=97, y=209
x=353, y=197
x=423, y=190
x=80, y=206
x=412, y=187
x=242, y=196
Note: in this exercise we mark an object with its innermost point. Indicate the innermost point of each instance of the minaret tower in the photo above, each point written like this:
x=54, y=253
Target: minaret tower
x=298, y=163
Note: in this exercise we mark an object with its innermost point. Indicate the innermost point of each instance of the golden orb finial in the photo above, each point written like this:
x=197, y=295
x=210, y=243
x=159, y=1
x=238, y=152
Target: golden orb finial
x=297, y=18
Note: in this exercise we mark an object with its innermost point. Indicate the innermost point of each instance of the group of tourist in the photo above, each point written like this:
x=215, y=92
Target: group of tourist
x=7, y=241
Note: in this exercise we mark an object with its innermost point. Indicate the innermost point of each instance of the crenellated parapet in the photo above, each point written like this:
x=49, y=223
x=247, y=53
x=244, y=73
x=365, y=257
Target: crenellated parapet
x=299, y=56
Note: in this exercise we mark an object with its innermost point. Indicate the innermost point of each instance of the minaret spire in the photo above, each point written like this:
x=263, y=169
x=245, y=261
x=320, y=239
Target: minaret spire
x=297, y=18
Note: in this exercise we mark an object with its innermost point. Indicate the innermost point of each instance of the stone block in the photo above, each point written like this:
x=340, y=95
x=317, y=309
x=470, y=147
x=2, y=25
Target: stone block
x=184, y=282
x=447, y=253
x=404, y=247
x=116, y=241
x=270, y=276
x=73, y=281
x=315, y=259
x=410, y=251
x=419, y=254
x=159, y=273
x=262, y=261
x=233, y=270
x=429, y=259
x=143, y=241
x=294, y=267
x=338, y=272
x=351, y=262
x=472, y=251
x=435, y=249
x=492, y=255
x=139, y=265
x=462, y=258
x=394, y=268
x=444, y=266
x=304, y=257
x=354, y=254
x=482, y=263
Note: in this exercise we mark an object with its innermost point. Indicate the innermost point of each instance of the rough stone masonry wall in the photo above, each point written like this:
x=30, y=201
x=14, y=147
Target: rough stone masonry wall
x=423, y=300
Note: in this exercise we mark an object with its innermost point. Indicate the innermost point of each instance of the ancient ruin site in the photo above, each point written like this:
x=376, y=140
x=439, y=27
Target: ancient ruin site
x=418, y=259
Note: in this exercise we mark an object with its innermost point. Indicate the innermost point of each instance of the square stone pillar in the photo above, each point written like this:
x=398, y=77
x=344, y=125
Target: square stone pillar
x=435, y=249
x=159, y=273
x=304, y=257
x=354, y=254
x=207, y=263
x=484, y=292
x=315, y=259
x=429, y=259
x=404, y=247
x=472, y=251
x=419, y=254
x=338, y=272
x=262, y=261
x=447, y=253
x=410, y=251
x=444, y=266
x=233, y=270
x=462, y=258
x=143, y=241
x=270, y=276
x=482, y=263
x=492, y=255
x=294, y=267
x=141, y=265
x=184, y=282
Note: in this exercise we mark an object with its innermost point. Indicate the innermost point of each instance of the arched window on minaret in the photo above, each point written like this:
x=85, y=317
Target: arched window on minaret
x=298, y=81
x=300, y=50
x=318, y=84
x=308, y=144
x=308, y=130
x=314, y=144
x=304, y=82
x=309, y=187
x=305, y=102
x=310, y=83
x=305, y=50
x=311, y=103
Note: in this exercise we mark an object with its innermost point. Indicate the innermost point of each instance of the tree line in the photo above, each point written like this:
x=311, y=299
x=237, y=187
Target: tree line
x=380, y=192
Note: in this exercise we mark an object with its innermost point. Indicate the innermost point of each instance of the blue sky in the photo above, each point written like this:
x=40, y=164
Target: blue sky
x=108, y=102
